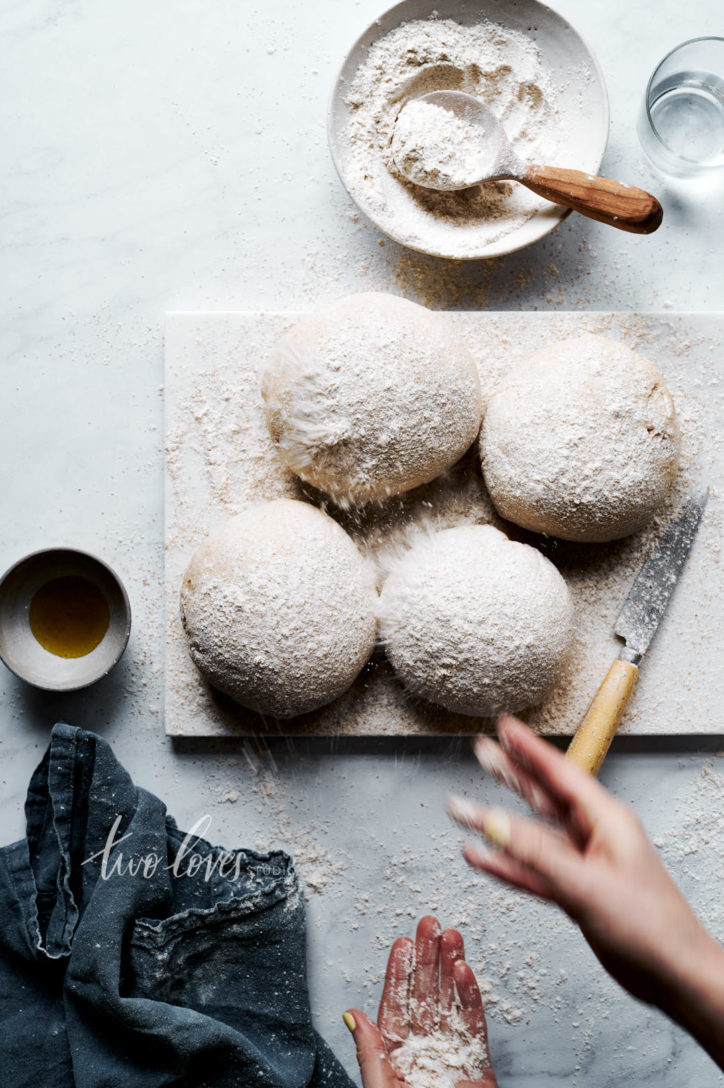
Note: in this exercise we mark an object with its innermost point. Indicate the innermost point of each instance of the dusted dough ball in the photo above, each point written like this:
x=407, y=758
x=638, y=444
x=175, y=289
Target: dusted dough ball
x=476, y=622
x=279, y=608
x=580, y=441
x=371, y=396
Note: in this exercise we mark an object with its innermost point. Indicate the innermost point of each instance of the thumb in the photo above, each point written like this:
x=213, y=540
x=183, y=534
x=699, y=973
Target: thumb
x=371, y=1053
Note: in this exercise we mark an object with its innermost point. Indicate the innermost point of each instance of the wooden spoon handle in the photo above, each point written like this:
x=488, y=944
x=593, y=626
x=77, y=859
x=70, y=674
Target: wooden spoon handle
x=611, y=202
x=600, y=722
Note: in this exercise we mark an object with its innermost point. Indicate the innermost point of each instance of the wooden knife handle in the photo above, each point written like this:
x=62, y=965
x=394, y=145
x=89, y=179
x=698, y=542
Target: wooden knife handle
x=600, y=722
x=608, y=201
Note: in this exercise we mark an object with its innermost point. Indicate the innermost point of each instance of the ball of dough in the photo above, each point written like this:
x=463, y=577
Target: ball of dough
x=476, y=622
x=280, y=608
x=370, y=397
x=580, y=441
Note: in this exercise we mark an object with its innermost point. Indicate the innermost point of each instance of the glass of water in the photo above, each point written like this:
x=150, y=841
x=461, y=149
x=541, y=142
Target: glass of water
x=681, y=124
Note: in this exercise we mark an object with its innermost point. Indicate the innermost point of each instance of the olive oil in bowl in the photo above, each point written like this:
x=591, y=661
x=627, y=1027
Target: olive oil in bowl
x=69, y=616
x=65, y=619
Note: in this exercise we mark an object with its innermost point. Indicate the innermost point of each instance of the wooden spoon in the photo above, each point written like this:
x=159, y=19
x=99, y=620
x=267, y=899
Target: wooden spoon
x=611, y=202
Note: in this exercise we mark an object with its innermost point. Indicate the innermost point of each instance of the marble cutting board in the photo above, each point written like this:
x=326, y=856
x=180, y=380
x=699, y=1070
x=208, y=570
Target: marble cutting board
x=219, y=459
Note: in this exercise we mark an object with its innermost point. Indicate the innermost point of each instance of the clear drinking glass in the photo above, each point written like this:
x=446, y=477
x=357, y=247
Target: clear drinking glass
x=681, y=124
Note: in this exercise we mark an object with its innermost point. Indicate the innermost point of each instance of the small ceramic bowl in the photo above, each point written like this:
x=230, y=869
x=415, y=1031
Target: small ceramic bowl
x=19, y=648
x=583, y=110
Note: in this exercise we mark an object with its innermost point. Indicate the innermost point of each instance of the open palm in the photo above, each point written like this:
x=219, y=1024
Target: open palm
x=430, y=1018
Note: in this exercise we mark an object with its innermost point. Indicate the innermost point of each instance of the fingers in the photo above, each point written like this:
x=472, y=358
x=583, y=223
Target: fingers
x=507, y=869
x=394, y=1014
x=470, y=1003
x=424, y=991
x=494, y=759
x=371, y=1054
x=545, y=852
x=560, y=779
x=452, y=951
x=419, y=984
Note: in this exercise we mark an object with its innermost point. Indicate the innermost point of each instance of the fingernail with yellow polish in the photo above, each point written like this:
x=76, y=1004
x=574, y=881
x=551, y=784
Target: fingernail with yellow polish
x=496, y=826
x=349, y=1021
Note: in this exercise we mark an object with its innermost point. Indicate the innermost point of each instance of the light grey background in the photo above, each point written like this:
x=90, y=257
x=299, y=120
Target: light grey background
x=172, y=155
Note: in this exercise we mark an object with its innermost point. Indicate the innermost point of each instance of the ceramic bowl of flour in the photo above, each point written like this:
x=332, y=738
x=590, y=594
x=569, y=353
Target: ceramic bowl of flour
x=524, y=61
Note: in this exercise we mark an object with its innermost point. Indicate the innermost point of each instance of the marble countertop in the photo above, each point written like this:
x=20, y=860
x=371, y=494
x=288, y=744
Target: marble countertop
x=173, y=156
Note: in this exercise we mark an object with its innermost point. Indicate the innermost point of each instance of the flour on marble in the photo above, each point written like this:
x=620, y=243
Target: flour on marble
x=221, y=459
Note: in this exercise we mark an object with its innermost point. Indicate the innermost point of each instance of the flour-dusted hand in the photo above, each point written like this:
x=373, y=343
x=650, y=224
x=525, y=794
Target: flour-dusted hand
x=591, y=856
x=430, y=1030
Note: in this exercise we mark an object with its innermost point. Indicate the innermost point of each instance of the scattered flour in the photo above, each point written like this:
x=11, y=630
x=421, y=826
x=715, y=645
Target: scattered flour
x=263, y=793
x=500, y=66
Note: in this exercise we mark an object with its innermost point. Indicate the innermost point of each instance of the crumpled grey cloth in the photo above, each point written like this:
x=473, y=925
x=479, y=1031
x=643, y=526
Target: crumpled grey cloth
x=160, y=960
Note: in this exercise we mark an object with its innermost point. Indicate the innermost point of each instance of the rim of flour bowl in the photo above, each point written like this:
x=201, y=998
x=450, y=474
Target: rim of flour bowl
x=532, y=16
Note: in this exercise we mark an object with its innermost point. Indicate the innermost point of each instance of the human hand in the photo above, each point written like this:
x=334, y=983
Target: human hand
x=431, y=1024
x=597, y=863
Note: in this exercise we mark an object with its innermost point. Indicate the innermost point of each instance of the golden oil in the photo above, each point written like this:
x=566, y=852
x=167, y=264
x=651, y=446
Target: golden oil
x=69, y=616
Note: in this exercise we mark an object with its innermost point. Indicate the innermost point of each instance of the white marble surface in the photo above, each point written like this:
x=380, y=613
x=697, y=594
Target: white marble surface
x=172, y=156
x=220, y=459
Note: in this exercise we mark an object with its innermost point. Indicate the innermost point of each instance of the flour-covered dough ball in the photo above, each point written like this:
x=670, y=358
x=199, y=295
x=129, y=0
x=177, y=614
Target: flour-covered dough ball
x=580, y=441
x=476, y=622
x=280, y=608
x=370, y=397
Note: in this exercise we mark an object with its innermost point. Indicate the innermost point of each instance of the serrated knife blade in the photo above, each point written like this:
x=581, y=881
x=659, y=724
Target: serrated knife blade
x=648, y=598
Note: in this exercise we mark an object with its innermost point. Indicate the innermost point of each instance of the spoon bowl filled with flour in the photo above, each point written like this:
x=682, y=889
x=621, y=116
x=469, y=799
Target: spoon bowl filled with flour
x=524, y=62
x=446, y=150
x=449, y=141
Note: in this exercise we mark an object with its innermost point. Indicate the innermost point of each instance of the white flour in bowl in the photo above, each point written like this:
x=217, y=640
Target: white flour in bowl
x=500, y=66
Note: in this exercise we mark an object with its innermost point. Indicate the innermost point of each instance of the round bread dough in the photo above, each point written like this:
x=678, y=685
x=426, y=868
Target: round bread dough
x=370, y=397
x=580, y=441
x=280, y=608
x=476, y=622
